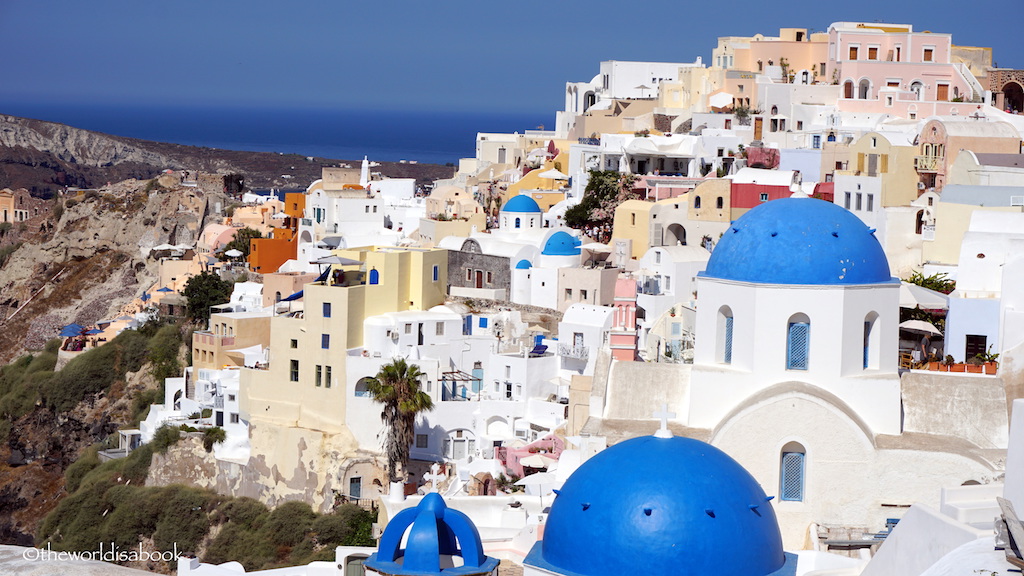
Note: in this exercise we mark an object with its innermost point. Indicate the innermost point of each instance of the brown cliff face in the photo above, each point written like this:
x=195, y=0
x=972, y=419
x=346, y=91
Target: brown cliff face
x=45, y=157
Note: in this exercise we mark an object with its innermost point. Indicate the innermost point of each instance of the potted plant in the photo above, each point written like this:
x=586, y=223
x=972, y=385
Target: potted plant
x=933, y=362
x=989, y=361
x=958, y=367
x=946, y=363
x=974, y=365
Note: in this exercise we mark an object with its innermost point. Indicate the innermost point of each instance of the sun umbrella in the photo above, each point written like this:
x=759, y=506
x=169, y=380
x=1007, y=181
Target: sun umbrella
x=338, y=261
x=72, y=330
x=537, y=461
x=553, y=174
x=162, y=247
x=165, y=289
x=920, y=327
x=93, y=331
x=914, y=296
x=233, y=253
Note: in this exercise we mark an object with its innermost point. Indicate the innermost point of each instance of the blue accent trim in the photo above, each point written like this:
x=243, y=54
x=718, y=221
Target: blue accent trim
x=483, y=322
x=791, y=477
x=798, y=340
x=867, y=344
x=374, y=276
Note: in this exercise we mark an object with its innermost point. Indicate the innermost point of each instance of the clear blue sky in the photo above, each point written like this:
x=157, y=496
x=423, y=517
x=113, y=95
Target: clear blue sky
x=387, y=54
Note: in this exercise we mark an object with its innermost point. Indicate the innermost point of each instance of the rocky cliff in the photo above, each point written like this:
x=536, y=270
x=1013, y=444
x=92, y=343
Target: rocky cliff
x=45, y=157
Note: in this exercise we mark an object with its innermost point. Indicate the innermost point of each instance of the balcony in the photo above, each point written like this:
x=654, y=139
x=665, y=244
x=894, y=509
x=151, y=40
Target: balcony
x=927, y=163
x=212, y=339
x=577, y=352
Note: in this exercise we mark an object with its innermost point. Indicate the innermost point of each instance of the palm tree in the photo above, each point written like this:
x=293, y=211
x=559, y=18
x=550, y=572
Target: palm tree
x=397, y=387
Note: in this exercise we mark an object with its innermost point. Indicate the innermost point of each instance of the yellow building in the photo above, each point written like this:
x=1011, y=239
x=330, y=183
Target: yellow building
x=303, y=386
x=12, y=207
x=632, y=222
x=889, y=157
x=229, y=331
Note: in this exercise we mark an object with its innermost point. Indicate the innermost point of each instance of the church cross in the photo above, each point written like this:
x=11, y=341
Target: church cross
x=434, y=477
x=664, y=415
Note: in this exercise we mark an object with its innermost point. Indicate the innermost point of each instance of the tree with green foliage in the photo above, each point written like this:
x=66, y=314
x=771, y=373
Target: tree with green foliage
x=397, y=387
x=606, y=189
x=205, y=290
x=939, y=282
x=241, y=242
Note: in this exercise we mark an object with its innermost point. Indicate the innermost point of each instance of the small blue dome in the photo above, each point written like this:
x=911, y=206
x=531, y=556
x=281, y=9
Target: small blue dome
x=562, y=243
x=661, y=506
x=434, y=531
x=523, y=265
x=521, y=203
x=799, y=241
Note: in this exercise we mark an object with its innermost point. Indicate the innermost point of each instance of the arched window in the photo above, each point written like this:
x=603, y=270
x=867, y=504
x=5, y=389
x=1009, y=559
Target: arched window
x=696, y=202
x=791, y=472
x=872, y=336
x=919, y=226
x=518, y=222
x=798, y=342
x=720, y=203
x=277, y=296
x=725, y=335
x=864, y=89
x=374, y=276
x=775, y=110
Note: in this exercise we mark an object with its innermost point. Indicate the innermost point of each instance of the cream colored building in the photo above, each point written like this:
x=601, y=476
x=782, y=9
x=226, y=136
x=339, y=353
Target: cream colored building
x=953, y=217
x=229, y=331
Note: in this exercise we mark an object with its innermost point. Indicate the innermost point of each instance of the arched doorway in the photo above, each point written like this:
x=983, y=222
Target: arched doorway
x=1013, y=97
x=675, y=233
x=864, y=89
x=589, y=99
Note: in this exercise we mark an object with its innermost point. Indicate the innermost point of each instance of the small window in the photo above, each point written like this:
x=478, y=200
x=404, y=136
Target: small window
x=483, y=323
x=439, y=330
x=408, y=328
x=490, y=277
x=231, y=397
x=720, y=203
x=325, y=341
x=791, y=473
x=928, y=54
x=583, y=295
x=294, y=371
x=858, y=205
x=469, y=275
x=421, y=440
x=327, y=309
x=319, y=375
x=234, y=418
x=798, y=344
x=849, y=197
x=374, y=276
x=696, y=202
x=657, y=257
x=435, y=272
x=518, y=223
x=294, y=343
x=764, y=196
x=872, y=53
x=853, y=52
x=367, y=209
x=327, y=378
x=568, y=293
x=871, y=202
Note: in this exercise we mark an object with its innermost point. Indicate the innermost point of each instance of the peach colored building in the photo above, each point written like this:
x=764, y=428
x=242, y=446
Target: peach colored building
x=229, y=331
x=942, y=139
x=889, y=68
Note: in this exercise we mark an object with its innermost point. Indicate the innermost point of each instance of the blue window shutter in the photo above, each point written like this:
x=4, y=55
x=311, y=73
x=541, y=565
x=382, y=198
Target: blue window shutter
x=727, y=354
x=325, y=341
x=467, y=325
x=435, y=273
x=797, y=342
x=791, y=483
x=483, y=322
x=374, y=276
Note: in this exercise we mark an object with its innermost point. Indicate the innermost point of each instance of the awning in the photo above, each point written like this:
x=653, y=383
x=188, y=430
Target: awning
x=295, y=296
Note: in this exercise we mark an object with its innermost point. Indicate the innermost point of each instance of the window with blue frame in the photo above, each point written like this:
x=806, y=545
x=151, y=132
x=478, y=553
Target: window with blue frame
x=327, y=310
x=325, y=341
x=483, y=322
x=467, y=325
x=435, y=273
x=867, y=344
x=798, y=342
x=374, y=276
x=791, y=473
x=727, y=348
x=518, y=222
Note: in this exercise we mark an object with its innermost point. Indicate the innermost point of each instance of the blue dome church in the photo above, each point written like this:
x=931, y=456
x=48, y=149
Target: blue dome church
x=661, y=505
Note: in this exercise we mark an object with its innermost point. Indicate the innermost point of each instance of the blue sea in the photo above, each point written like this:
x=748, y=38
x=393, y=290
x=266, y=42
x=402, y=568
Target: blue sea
x=389, y=136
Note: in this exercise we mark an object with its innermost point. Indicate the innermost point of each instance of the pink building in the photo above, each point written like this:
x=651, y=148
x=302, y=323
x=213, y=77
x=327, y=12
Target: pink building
x=889, y=68
x=623, y=338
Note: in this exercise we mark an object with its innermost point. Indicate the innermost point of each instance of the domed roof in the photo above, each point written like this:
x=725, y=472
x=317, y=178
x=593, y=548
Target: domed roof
x=562, y=243
x=799, y=241
x=435, y=531
x=661, y=506
x=521, y=203
x=523, y=265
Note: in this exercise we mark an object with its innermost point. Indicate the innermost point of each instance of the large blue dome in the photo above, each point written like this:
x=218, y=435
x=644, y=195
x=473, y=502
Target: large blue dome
x=661, y=506
x=521, y=203
x=562, y=243
x=799, y=241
